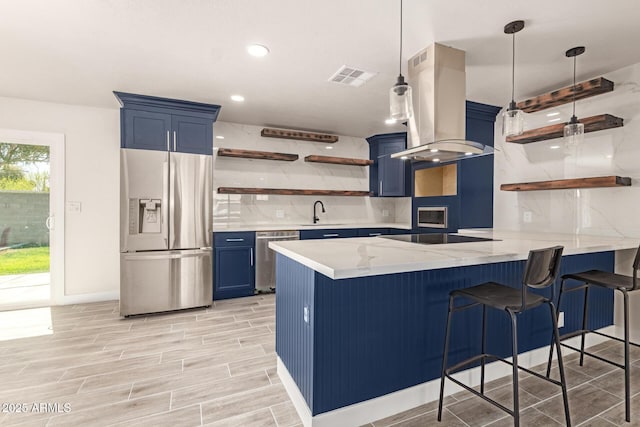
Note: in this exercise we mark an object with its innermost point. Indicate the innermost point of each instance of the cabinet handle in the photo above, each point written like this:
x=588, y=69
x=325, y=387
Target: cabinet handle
x=375, y=234
x=380, y=192
x=330, y=235
x=174, y=140
x=234, y=240
x=252, y=257
x=168, y=147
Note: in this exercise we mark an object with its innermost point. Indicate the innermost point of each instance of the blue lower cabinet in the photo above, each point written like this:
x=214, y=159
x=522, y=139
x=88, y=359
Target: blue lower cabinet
x=234, y=265
x=372, y=232
x=328, y=233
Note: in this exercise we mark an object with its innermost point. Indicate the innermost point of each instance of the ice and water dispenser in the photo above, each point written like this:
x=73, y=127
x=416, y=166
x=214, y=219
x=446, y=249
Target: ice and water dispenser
x=145, y=216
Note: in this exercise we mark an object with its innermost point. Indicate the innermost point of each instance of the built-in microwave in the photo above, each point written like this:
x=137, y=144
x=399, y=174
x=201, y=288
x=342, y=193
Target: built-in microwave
x=432, y=217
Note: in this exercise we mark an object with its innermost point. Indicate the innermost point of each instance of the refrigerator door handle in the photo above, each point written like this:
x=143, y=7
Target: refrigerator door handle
x=173, y=201
x=165, y=201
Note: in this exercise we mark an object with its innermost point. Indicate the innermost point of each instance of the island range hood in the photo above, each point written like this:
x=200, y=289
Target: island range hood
x=436, y=132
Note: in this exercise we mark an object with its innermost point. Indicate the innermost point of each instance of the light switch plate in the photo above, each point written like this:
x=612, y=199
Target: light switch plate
x=75, y=207
x=527, y=216
x=385, y=213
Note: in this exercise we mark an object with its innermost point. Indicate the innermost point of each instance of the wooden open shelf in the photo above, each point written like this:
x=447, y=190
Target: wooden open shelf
x=301, y=136
x=338, y=160
x=291, y=192
x=583, y=90
x=562, y=184
x=591, y=124
x=252, y=154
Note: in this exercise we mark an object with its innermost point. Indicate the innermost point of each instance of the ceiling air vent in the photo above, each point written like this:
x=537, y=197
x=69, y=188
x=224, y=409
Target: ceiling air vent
x=351, y=76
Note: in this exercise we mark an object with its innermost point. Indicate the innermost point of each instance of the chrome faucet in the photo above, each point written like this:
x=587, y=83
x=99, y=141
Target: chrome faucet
x=315, y=216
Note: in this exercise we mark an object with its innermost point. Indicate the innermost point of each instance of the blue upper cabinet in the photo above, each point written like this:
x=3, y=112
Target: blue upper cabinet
x=152, y=123
x=475, y=175
x=193, y=134
x=388, y=177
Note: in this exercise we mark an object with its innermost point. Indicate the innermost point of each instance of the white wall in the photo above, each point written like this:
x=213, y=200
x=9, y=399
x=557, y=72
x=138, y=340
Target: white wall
x=280, y=209
x=597, y=211
x=92, y=138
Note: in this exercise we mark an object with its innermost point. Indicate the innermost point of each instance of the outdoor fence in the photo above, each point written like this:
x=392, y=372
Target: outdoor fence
x=22, y=218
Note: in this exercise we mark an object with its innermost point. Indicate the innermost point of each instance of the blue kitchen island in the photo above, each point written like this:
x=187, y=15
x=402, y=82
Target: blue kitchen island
x=360, y=322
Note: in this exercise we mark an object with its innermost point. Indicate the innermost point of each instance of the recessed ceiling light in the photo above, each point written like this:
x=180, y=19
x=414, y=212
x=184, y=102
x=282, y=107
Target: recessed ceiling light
x=609, y=156
x=555, y=113
x=434, y=150
x=257, y=50
x=436, y=160
x=237, y=98
x=390, y=121
x=219, y=137
x=554, y=147
x=328, y=148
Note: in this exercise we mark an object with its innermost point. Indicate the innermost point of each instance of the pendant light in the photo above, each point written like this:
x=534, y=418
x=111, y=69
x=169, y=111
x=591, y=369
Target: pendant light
x=400, y=102
x=574, y=130
x=513, y=119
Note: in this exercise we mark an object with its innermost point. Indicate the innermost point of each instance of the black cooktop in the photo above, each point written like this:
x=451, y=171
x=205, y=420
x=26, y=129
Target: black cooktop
x=436, y=238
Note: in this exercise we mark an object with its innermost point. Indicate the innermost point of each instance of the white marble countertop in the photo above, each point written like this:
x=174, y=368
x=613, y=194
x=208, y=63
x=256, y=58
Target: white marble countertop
x=318, y=226
x=370, y=256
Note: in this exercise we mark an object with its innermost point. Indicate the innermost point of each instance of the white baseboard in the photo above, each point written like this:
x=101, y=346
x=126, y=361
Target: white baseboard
x=384, y=406
x=87, y=298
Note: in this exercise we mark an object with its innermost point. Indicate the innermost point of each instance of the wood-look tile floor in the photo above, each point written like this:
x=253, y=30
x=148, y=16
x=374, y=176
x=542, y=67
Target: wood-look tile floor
x=596, y=397
x=214, y=367
x=217, y=367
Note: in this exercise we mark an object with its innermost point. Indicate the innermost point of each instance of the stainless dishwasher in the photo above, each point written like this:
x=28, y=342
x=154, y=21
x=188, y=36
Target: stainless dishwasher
x=266, y=258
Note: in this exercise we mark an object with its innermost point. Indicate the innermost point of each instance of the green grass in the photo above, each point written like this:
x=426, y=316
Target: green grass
x=24, y=260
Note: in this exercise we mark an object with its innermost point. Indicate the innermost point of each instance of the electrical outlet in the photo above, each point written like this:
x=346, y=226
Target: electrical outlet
x=561, y=320
x=279, y=213
x=385, y=213
x=263, y=197
x=75, y=207
x=305, y=314
x=527, y=216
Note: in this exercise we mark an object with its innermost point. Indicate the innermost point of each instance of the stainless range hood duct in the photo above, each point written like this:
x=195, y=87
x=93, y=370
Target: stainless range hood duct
x=437, y=130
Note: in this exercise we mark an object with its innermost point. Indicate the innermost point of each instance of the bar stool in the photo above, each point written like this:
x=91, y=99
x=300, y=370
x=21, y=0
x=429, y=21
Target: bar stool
x=602, y=279
x=540, y=271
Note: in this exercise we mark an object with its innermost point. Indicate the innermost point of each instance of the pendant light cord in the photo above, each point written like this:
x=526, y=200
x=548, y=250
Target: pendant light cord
x=513, y=67
x=574, y=86
x=400, y=59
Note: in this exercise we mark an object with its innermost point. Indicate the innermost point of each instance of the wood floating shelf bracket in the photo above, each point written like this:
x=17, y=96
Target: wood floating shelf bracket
x=564, y=184
x=252, y=154
x=562, y=96
x=298, y=135
x=338, y=160
x=591, y=124
x=291, y=192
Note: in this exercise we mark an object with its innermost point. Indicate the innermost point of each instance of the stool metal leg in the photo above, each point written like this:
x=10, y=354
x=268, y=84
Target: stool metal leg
x=557, y=310
x=484, y=346
x=563, y=382
x=627, y=370
x=514, y=346
x=585, y=318
x=444, y=357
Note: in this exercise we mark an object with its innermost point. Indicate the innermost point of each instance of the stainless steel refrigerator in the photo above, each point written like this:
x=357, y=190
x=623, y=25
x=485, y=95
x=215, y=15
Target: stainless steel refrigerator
x=165, y=231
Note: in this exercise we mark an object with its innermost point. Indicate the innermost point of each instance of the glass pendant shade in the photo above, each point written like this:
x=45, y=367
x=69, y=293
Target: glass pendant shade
x=400, y=100
x=574, y=133
x=512, y=122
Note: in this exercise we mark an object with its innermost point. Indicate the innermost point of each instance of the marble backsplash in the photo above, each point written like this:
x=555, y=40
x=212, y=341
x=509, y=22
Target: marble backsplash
x=230, y=209
x=597, y=211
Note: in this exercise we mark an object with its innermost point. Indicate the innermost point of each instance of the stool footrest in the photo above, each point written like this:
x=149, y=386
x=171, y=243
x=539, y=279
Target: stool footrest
x=453, y=369
x=477, y=393
x=595, y=356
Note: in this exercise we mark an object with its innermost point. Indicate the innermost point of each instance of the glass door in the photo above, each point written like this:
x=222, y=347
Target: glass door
x=25, y=225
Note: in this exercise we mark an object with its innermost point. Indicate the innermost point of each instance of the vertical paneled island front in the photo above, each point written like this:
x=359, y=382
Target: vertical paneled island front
x=360, y=322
